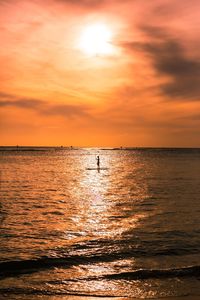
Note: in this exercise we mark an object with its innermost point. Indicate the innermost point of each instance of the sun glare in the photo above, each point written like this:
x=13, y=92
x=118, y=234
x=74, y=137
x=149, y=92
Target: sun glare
x=96, y=40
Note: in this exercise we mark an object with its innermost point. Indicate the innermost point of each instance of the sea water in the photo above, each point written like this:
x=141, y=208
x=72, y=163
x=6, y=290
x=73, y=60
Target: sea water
x=130, y=229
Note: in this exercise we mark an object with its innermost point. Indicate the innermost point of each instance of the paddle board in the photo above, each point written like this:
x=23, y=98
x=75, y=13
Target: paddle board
x=97, y=169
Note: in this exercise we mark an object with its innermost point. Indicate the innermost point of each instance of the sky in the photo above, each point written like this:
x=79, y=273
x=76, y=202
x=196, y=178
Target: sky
x=133, y=82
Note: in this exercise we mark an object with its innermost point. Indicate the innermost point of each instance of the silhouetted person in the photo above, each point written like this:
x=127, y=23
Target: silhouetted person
x=98, y=161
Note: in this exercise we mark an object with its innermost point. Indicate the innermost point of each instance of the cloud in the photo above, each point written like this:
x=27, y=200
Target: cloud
x=43, y=107
x=84, y=2
x=5, y=96
x=90, y=3
x=22, y=103
x=66, y=110
x=169, y=60
x=93, y=5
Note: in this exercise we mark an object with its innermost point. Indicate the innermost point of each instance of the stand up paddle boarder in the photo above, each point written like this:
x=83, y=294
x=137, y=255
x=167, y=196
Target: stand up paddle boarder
x=98, y=161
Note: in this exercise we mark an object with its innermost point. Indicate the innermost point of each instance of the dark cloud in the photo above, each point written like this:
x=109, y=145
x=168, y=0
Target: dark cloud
x=66, y=110
x=45, y=108
x=85, y=3
x=5, y=96
x=168, y=59
x=195, y=117
x=92, y=4
x=24, y=103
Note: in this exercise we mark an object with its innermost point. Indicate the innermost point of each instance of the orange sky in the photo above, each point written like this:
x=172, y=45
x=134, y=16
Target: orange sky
x=145, y=92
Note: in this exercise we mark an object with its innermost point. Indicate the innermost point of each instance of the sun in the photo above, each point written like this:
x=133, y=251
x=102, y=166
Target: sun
x=96, y=40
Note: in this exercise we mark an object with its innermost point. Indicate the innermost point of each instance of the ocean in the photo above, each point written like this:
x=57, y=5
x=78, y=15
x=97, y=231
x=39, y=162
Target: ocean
x=130, y=229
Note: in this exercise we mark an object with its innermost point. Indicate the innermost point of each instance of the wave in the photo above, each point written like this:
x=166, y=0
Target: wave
x=192, y=271
x=15, y=268
x=11, y=268
x=40, y=292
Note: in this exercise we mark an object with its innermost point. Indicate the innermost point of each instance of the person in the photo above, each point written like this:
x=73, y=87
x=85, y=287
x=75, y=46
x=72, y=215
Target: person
x=98, y=161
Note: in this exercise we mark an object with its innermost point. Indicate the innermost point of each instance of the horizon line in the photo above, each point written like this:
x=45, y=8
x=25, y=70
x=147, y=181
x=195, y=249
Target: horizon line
x=102, y=147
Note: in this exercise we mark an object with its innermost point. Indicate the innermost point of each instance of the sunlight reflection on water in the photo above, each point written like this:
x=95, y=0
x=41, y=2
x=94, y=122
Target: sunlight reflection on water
x=90, y=223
